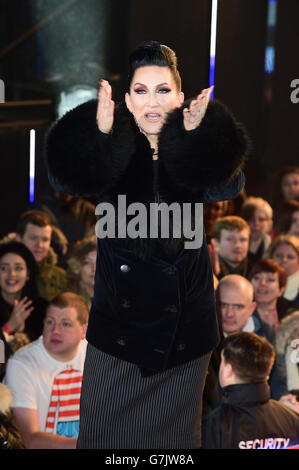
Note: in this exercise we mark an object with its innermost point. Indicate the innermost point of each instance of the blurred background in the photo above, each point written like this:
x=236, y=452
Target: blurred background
x=54, y=52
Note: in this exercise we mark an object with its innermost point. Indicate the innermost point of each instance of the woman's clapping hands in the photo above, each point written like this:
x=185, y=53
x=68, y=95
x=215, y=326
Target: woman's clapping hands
x=197, y=109
x=105, y=111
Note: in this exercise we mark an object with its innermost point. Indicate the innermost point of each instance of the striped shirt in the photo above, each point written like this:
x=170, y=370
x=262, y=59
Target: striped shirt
x=65, y=399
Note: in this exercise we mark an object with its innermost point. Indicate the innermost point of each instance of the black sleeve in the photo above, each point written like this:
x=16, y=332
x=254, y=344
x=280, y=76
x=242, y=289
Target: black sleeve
x=83, y=161
x=211, y=430
x=207, y=157
x=226, y=191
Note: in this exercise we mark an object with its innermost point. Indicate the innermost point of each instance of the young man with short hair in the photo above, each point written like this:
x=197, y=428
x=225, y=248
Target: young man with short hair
x=232, y=235
x=46, y=375
x=34, y=229
x=248, y=418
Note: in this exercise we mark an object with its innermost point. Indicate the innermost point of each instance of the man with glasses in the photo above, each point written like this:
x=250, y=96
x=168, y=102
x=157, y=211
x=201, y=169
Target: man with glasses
x=235, y=306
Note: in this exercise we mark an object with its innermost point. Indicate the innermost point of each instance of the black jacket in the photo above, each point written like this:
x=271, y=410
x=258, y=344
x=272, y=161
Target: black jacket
x=153, y=300
x=212, y=393
x=249, y=419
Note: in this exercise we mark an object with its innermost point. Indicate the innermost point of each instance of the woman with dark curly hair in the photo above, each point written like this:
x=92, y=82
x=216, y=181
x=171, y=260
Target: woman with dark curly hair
x=21, y=309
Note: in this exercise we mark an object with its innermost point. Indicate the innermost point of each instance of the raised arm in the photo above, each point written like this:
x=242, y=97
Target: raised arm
x=82, y=158
x=208, y=157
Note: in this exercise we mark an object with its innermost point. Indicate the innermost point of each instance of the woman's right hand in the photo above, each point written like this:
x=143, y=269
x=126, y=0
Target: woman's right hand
x=21, y=310
x=105, y=111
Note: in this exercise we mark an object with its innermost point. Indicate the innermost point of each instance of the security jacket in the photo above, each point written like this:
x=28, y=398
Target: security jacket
x=249, y=419
x=153, y=299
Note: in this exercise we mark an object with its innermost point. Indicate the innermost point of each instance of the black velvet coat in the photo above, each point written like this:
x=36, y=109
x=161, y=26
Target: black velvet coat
x=154, y=299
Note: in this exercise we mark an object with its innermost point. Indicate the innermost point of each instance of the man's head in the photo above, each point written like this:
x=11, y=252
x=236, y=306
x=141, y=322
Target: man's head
x=245, y=358
x=65, y=326
x=232, y=239
x=235, y=302
x=35, y=231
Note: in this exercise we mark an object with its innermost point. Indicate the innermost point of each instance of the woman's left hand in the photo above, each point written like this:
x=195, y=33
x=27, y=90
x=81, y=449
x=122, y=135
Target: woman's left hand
x=197, y=109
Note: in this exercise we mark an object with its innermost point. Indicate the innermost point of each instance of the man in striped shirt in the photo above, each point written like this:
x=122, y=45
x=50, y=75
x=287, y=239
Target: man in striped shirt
x=46, y=375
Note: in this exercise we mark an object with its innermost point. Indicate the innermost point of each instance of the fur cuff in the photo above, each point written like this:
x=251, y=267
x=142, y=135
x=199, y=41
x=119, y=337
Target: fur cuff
x=209, y=156
x=83, y=161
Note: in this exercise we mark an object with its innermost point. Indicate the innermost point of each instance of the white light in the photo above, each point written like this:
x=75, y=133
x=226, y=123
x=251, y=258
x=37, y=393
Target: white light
x=213, y=42
x=73, y=97
x=32, y=165
x=213, y=28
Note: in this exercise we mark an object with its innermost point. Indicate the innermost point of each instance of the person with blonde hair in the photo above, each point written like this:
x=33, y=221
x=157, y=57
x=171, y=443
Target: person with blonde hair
x=287, y=349
x=81, y=268
x=259, y=214
x=287, y=184
x=285, y=250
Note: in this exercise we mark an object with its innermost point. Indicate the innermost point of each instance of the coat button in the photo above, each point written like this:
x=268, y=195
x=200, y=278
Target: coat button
x=181, y=347
x=121, y=342
x=125, y=303
x=170, y=270
x=125, y=268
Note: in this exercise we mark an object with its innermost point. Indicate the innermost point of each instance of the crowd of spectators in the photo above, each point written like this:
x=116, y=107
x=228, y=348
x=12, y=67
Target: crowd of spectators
x=47, y=269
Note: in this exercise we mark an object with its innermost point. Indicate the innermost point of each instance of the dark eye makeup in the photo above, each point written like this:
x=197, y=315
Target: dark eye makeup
x=163, y=90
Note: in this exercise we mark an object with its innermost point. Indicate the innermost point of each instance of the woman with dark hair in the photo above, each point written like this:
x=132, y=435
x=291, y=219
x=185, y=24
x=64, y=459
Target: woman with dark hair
x=152, y=324
x=287, y=218
x=269, y=280
x=21, y=310
x=287, y=184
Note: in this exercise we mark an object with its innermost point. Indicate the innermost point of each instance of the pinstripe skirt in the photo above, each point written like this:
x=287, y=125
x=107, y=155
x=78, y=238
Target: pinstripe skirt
x=120, y=409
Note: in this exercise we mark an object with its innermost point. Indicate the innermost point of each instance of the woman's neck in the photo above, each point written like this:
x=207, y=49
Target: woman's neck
x=89, y=289
x=255, y=244
x=10, y=298
x=266, y=310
